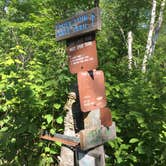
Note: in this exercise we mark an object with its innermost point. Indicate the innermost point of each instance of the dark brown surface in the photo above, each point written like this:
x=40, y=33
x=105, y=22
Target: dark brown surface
x=105, y=117
x=82, y=57
x=91, y=90
x=67, y=140
x=65, y=32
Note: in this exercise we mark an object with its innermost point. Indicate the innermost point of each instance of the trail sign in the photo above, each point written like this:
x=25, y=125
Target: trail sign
x=82, y=54
x=91, y=90
x=80, y=24
x=90, y=138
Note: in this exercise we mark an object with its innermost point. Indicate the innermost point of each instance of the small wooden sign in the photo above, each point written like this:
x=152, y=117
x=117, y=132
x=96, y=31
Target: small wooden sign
x=82, y=54
x=90, y=138
x=105, y=117
x=91, y=90
x=80, y=24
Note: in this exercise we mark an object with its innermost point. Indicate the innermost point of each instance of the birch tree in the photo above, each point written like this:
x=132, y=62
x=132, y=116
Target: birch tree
x=130, y=55
x=158, y=27
x=153, y=32
x=150, y=36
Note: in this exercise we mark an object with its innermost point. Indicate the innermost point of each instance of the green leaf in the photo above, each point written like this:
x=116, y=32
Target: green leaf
x=52, y=151
x=13, y=140
x=133, y=158
x=50, y=93
x=52, y=131
x=58, y=143
x=133, y=140
x=47, y=149
x=59, y=120
x=49, y=118
x=9, y=62
x=43, y=127
x=57, y=106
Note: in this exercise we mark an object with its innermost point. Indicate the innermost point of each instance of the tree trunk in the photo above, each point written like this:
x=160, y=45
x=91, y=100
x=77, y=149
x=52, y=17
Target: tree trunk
x=158, y=27
x=130, y=55
x=150, y=36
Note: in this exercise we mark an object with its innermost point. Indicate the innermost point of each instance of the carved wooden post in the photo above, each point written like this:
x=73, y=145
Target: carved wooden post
x=67, y=154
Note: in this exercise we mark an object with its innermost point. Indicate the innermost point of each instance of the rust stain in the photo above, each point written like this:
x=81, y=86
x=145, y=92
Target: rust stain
x=105, y=117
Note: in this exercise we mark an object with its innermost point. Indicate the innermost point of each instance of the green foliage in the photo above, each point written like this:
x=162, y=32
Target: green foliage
x=140, y=118
x=34, y=82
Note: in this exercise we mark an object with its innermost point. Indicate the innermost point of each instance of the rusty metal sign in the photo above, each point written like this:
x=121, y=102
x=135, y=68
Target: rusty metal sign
x=67, y=140
x=90, y=138
x=105, y=117
x=82, y=56
x=80, y=24
x=91, y=90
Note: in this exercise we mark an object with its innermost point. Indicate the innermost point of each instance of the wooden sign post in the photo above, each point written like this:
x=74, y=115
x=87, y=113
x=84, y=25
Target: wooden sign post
x=98, y=128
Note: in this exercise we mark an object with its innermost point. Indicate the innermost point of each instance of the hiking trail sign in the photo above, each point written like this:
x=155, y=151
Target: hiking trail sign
x=82, y=54
x=95, y=127
x=80, y=24
x=91, y=90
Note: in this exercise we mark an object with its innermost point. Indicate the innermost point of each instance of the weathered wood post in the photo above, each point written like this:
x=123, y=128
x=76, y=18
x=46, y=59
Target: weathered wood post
x=87, y=139
x=67, y=154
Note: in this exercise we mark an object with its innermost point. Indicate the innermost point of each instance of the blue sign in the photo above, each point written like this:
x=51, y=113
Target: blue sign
x=86, y=22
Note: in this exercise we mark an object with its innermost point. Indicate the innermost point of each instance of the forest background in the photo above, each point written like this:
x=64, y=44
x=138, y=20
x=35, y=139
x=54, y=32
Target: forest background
x=35, y=79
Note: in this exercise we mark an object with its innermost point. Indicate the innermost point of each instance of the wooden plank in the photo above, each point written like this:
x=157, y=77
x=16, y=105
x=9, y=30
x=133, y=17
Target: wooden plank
x=86, y=160
x=67, y=140
x=92, y=120
x=90, y=138
x=80, y=24
x=99, y=154
x=91, y=90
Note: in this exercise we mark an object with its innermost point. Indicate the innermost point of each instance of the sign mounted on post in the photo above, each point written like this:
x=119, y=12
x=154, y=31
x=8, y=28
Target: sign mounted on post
x=80, y=24
x=90, y=138
x=82, y=54
x=91, y=90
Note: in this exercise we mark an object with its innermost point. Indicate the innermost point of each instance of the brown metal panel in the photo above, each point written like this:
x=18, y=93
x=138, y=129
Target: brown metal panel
x=82, y=57
x=91, y=90
x=80, y=24
x=105, y=117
